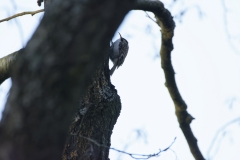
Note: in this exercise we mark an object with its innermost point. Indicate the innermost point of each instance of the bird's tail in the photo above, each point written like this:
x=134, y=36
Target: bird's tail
x=113, y=69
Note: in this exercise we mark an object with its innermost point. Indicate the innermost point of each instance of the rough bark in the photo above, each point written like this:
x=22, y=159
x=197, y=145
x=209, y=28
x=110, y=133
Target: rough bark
x=53, y=72
x=95, y=119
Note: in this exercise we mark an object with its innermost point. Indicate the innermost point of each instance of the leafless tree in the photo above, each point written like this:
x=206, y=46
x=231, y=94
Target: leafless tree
x=62, y=103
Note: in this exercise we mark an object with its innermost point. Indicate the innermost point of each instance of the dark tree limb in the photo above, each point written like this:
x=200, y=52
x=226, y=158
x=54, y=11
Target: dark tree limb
x=167, y=25
x=53, y=71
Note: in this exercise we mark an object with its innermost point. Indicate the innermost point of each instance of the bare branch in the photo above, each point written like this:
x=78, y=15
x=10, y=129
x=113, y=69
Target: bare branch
x=22, y=14
x=165, y=20
x=133, y=155
x=6, y=65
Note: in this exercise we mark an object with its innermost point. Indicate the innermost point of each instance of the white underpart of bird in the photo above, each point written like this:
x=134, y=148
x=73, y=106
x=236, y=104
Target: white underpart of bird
x=118, y=52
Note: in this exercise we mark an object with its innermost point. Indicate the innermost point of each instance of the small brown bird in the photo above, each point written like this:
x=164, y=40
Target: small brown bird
x=118, y=52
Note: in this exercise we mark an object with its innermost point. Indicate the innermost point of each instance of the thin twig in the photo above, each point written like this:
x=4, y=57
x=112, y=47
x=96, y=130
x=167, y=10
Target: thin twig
x=222, y=129
x=150, y=17
x=22, y=14
x=133, y=155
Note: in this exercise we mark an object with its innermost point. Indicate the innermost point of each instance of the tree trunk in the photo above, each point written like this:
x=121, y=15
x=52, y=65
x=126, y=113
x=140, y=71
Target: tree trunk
x=53, y=71
x=92, y=125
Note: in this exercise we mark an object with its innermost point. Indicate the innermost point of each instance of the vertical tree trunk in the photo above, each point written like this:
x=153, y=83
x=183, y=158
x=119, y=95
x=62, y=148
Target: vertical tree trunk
x=53, y=71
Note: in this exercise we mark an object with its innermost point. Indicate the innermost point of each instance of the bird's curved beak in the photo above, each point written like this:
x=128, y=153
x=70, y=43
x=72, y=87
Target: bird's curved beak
x=120, y=35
